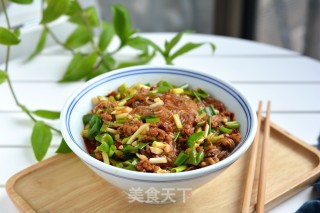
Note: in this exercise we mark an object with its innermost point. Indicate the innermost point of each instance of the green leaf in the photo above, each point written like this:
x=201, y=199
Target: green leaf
x=106, y=35
x=138, y=61
x=184, y=49
x=54, y=10
x=86, y=17
x=79, y=67
x=97, y=72
x=138, y=43
x=7, y=37
x=79, y=37
x=17, y=32
x=47, y=114
x=63, y=148
x=3, y=76
x=22, y=1
x=40, y=139
x=73, y=8
x=41, y=44
x=213, y=46
x=108, y=61
x=121, y=22
x=153, y=45
x=170, y=44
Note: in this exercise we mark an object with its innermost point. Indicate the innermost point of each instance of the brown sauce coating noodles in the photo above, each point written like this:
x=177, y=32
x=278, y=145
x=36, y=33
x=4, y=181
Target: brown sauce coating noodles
x=161, y=128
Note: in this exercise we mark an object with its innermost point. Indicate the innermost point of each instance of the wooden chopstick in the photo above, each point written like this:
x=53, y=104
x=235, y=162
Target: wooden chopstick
x=263, y=163
x=252, y=165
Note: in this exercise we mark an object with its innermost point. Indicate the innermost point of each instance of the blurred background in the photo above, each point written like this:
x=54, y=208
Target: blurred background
x=291, y=24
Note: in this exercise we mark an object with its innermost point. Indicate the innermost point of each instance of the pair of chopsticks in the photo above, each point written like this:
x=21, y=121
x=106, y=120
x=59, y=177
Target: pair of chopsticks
x=252, y=164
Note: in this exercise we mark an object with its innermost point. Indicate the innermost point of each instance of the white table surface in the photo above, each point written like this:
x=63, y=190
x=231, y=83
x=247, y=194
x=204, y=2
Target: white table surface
x=260, y=71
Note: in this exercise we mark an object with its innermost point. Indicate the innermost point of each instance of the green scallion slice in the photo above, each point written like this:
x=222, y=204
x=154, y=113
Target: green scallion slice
x=225, y=130
x=182, y=157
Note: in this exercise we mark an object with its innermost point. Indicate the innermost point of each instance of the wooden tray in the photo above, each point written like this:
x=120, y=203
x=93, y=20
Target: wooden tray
x=64, y=184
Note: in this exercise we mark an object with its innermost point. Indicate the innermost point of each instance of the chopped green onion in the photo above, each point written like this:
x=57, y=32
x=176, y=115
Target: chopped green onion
x=212, y=138
x=192, y=157
x=140, y=137
x=225, y=130
x=213, y=110
x=105, y=157
x=194, y=138
x=104, y=127
x=179, y=169
x=86, y=118
x=147, y=116
x=202, y=114
x=182, y=157
x=199, y=157
x=206, y=130
x=122, y=121
x=137, y=116
x=120, y=107
x=123, y=101
x=188, y=92
x=111, y=99
x=129, y=149
x=104, y=147
x=176, y=137
x=111, y=150
x=105, y=138
x=233, y=124
x=157, y=103
x=94, y=119
x=210, y=110
x=142, y=128
x=177, y=121
x=141, y=145
x=112, y=131
x=152, y=120
x=164, y=83
x=122, y=116
x=123, y=88
x=131, y=167
x=95, y=124
x=200, y=124
x=125, y=140
x=195, y=94
x=201, y=93
x=118, y=96
x=210, y=124
x=184, y=86
x=163, y=89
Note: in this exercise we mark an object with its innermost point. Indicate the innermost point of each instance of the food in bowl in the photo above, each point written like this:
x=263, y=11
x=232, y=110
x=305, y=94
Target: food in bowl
x=162, y=128
x=80, y=103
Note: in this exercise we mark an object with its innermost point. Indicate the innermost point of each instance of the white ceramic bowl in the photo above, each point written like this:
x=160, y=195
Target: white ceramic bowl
x=177, y=184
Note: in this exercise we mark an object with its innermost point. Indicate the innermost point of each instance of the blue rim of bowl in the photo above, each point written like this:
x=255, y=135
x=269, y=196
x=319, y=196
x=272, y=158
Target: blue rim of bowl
x=146, y=71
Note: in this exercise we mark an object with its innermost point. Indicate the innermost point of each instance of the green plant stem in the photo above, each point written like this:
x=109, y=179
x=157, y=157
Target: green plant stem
x=55, y=38
x=6, y=14
x=22, y=107
x=9, y=27
x=117, y=50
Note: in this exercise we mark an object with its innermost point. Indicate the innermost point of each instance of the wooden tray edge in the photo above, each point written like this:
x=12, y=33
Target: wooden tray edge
x=306, y=179
x=19, y=202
